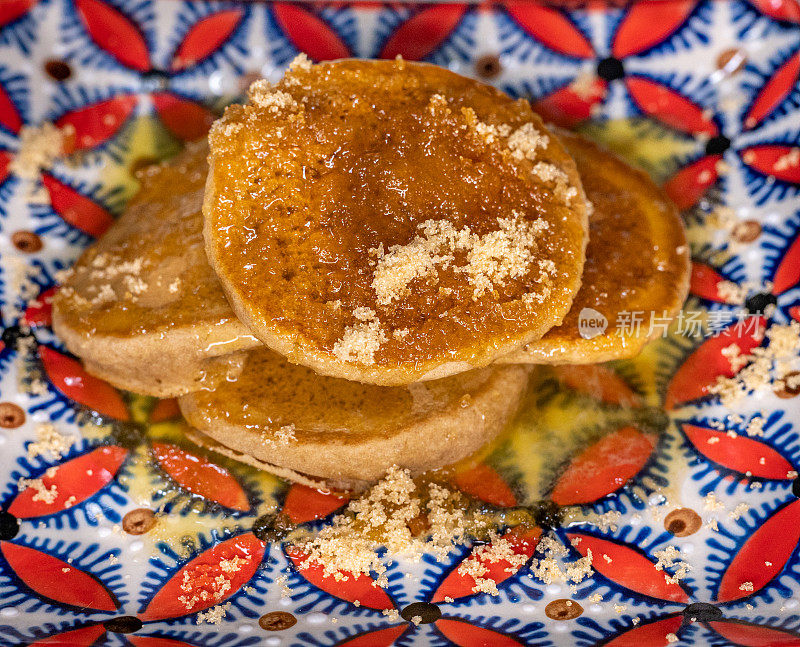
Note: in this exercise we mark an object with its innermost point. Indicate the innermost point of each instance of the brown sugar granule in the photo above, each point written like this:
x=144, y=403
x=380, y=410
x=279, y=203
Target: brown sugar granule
x=139, y=521
x=276, y=621
x=682, y=522
x=26, y=241
x=563, y=609
x=11, y=415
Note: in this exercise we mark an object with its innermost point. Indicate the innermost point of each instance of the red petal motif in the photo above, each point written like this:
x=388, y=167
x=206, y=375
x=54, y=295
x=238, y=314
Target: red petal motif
x=305, y=503
x=739, y=453
x=649, y=23
x=424, y=32
x=185, y=119
x=689, y=184
x=763, y=555
x=11, y=10
x=705, y=282
x=57, y=580
x=456, y=585
x=378, y=638
x=76, y=209
x=207, y=580
x=200, y=476
x=780, y=84
x=97, y=123
x=569, y=106
x=702, y=368
x=603, y=467
x=788, y=273
x=794, y=313
x=484, y=483
x=628, y=568
x=746, y=634
x=166, y=409
x=40, y=312
x=466, y=634
x=599, y=382
x=10, y=119
x=779, y=9
x=83, y=637
x=5, y=160
x=308, y=33
x=652, y=634
x=552, y=28
x=67, y=375
x=360, y=588
x=777, y=160
x=114, y=33
x=669, y=107
x=74, y=482
x=205, y=37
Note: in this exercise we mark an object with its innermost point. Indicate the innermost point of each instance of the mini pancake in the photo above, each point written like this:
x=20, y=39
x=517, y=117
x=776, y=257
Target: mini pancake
x=390, y=222
x=142, y=306
x=637, y=260
x=290, y=420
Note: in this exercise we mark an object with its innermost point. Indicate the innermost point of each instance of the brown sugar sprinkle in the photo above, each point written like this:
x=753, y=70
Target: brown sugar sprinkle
x=682, y=522
x=276, y=621
x=563, y=609
x=11, y=415
x=381, y=517
x=139, y=521
x=26, y=241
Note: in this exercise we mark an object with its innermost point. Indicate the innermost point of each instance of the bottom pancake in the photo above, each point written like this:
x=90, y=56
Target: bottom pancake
x=290, y=420
x=637, y=261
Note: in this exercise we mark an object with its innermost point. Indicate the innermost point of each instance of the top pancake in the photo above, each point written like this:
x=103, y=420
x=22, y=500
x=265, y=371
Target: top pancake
x=389, y=222
x=637, y=261
x=142, y=306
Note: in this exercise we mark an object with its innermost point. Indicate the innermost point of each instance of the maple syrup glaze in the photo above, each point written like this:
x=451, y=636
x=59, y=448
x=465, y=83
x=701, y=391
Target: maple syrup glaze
x=153, y=261
x=339, y=162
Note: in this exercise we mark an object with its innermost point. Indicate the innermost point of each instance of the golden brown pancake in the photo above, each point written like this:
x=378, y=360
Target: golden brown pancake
x=637, y=260
x=288, y=419
x=390, y=222
x=141, y=306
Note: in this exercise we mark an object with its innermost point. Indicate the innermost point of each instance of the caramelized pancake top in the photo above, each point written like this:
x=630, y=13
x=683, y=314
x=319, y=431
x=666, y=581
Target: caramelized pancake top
x=387, y=221
x=637, y=260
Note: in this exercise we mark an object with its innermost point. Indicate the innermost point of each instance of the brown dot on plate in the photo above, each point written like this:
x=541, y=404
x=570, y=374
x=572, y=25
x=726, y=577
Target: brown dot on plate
x=791, y=385
x=746, y=231
x=488, y=66
x=731, y=60
x=139, y=521
x=276, y=621
x=26, y=241
x=683, y=522
x=11, y=416
x=563, y=609
x=57, y=69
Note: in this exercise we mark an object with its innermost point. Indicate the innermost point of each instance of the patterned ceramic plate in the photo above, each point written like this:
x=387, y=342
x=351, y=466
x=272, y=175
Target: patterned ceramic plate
x=686, y=498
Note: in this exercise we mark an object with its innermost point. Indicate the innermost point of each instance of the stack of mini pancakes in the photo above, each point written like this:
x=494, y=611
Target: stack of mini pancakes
x=360, y=266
